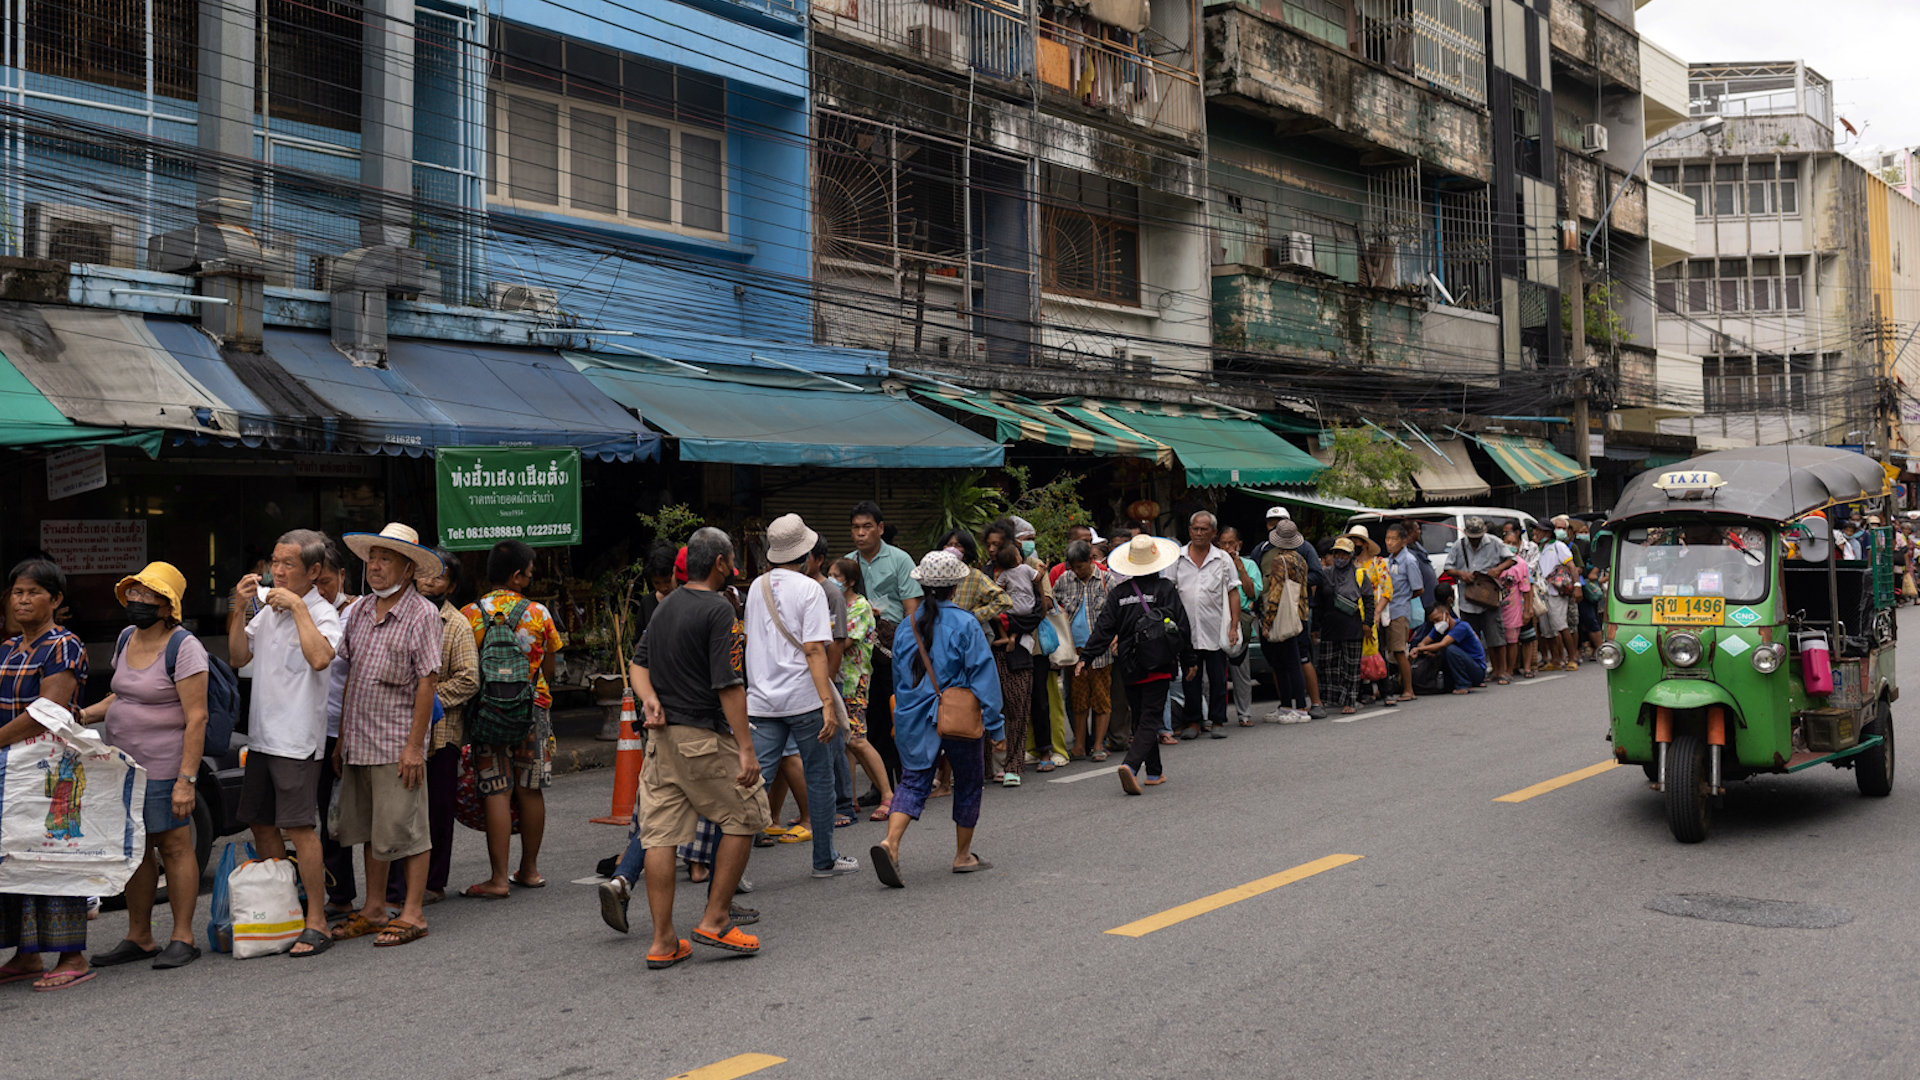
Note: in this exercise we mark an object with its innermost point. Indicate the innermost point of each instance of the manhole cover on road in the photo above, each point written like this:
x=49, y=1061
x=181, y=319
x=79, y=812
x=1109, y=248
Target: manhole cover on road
x=1772, y=914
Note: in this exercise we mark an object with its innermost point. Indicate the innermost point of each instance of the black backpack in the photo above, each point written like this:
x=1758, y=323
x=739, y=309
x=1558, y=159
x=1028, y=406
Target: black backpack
x=223, y=692
x=1156, y=643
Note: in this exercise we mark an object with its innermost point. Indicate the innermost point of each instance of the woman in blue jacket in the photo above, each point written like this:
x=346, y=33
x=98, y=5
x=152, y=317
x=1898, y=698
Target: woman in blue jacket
x=951, y=636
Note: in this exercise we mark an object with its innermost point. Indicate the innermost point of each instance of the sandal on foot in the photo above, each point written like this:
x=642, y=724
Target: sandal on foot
x=471, y=892
x=764, y=841
x=732, y=939
x=657, y=962
x=356, y=925
x=797, y=834
x=1045, y=766
x=841, y=821
x=1167, y=739
x=124, y=953
x=1099, y=757
x=1129, y=783
x=20, y=976
x=399, y=933
x=1012, y=779
x=978, y=864
x=315, y=941
x=520, y=880
x=880, y=813
x=60, y=980
x=179, y=954
x=885, y=866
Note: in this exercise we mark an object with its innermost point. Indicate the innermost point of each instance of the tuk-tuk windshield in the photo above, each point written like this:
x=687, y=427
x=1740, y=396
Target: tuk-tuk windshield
x=1728, y=561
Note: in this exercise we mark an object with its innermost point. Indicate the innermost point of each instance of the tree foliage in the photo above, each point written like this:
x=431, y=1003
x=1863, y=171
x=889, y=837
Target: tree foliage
x=960, y=501
x=675, y=523
x=1051, y=508
x=1370, y=470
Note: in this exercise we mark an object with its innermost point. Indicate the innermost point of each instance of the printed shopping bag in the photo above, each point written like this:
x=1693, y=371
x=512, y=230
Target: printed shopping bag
x=264, y=898
x=70, y=810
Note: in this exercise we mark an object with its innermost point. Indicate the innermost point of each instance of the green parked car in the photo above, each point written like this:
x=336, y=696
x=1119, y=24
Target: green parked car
x=1743, y=635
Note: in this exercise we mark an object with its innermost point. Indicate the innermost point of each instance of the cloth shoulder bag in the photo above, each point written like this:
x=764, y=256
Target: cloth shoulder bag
x=780, y=623
x=958, y=714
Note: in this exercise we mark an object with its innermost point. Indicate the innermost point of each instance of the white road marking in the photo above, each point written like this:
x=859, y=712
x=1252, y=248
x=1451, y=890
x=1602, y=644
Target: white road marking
x=1108, y=771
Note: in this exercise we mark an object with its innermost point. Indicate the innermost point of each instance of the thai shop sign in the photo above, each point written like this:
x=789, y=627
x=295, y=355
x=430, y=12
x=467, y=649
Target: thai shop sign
x=492, y=493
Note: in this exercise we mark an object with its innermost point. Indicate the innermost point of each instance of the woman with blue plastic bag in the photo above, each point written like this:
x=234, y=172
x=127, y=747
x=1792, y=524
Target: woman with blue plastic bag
x=43, y=660
x=157, y=713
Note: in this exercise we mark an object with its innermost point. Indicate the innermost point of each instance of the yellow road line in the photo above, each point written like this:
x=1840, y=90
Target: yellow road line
x=1232, y=896
x=1558, y=782
x=739, y=1065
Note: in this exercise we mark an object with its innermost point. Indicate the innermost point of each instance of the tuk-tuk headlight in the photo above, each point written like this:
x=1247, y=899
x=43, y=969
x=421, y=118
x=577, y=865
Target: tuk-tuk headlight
x=1768, y=658
x=1683, y=650
x=1611, y=655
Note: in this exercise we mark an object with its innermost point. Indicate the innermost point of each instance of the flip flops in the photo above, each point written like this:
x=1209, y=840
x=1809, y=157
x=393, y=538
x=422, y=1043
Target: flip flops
x=658, y=963
x=60, y=980
x=978, y=864
x=537, y=883
x=885, y=867
x=317, y=942
x=880, y=813
x=1129, y=783
x=20, y=976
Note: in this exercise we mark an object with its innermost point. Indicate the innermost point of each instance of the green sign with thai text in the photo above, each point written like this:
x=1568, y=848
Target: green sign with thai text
x=494, y=493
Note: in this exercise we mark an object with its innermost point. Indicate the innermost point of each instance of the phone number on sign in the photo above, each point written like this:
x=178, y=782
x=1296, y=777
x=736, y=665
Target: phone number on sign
x=511, y=532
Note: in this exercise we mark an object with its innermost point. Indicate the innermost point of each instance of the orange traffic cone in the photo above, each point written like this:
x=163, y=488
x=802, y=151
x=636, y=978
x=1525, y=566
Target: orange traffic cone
x=627, y=756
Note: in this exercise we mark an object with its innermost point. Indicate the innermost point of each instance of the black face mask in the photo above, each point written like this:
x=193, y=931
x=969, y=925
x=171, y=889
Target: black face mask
x=142, y=615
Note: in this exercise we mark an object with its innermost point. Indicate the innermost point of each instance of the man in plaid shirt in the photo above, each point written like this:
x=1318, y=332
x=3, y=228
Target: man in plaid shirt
x=392, y=646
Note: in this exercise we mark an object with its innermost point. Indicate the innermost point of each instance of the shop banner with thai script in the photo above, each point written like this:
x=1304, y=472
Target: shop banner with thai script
x=494, y=493
x=95, y=547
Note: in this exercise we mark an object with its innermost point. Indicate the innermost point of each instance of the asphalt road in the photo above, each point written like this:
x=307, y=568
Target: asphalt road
x=1473, y=938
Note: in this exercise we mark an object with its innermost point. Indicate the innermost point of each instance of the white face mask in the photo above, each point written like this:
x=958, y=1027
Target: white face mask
x=1440, y=626
x=389, y=590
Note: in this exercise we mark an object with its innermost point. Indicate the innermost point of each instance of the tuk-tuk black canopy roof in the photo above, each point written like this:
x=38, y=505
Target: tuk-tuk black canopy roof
x=1774, y=483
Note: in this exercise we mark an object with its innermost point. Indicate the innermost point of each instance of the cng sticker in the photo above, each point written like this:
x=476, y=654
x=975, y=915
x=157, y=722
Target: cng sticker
x=1734, y=646
x=1745, y=616
x=1639, y=644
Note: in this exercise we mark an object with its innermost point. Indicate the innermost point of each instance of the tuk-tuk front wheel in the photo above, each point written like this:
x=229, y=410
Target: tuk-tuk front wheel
x=1688, y=805
x=1873, y=770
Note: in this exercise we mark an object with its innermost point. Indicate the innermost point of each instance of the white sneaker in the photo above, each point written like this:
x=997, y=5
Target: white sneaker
x=1297, y=717
x=842, y=864
x=1277, y=716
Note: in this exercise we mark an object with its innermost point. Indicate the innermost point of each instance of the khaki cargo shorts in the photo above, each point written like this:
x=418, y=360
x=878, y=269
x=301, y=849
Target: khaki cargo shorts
x=688, y=775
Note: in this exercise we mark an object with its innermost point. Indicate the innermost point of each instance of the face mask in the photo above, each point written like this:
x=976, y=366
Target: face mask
x=1340, y=562
x=1440, y=626
x=389, y=590
x=957, y=553
x=1559, y=534
x=1026, y=547
x=142, y=615
x=835, y=582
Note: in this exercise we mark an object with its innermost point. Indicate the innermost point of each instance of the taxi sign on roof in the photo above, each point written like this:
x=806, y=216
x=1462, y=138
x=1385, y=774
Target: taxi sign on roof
x=1689, y=483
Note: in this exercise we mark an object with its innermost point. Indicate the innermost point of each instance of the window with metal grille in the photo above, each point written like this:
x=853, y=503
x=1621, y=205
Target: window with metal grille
x=1731, y=286
x=313, y=64
x=104, y=41
x=1090, y=236
x=887, y=197
x=596, y=132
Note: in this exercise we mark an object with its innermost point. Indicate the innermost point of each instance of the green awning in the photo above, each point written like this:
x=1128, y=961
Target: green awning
x=27, y=418
x=1531, y=463
x=1019, y=422
x=753, y=417
x=1217, y=450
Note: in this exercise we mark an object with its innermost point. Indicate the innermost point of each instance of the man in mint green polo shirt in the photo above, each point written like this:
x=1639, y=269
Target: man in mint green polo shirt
x=887, y=573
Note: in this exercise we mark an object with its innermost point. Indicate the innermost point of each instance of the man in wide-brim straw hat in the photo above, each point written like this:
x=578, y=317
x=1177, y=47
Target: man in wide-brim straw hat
x=1129, y=623
x=392, y=646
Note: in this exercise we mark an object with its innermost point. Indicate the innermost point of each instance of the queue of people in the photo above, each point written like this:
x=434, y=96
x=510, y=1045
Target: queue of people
x=934, y=678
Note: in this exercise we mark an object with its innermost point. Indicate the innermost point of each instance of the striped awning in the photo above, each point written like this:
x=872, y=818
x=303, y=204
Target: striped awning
x=1530, y=463
x=1016, y=421
x=1216, y=447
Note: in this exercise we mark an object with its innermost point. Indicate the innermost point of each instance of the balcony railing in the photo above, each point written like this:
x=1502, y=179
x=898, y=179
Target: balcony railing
x=995, y=39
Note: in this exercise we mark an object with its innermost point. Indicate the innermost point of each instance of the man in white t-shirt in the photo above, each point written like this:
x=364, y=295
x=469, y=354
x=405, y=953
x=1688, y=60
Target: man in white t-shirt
x=290, y=644
x=788, y=692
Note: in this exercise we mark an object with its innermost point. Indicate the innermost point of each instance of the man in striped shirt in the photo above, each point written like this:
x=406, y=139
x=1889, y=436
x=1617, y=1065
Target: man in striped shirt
x=392, y=646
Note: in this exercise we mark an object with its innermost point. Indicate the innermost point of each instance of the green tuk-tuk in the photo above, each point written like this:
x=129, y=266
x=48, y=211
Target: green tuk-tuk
x=1743, y=634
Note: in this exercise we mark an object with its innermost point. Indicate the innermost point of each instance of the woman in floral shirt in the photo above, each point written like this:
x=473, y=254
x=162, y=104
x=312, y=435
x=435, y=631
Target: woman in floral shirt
x=856, y=673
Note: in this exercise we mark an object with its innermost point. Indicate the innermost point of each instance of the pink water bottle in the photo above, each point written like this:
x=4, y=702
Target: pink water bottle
x=1815, y=669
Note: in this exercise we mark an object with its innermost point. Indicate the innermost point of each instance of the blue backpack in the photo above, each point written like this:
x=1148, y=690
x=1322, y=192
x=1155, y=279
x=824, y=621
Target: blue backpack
x=223, y=692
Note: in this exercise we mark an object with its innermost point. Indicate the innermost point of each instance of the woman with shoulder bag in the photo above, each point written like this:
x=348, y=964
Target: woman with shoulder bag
x=159, y=717
x=946, y=700
x=1133, y=622
x=1283, y=637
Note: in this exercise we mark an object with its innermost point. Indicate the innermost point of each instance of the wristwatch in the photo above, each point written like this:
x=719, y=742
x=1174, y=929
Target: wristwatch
x=189, y=779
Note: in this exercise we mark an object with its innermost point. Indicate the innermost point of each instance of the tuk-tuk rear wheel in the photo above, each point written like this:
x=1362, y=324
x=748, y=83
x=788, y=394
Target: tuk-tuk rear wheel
x=1688, y=808
x=1873, y=770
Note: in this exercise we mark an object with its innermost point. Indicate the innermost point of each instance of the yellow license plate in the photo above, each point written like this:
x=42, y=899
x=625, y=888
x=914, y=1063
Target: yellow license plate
x=1689, y=611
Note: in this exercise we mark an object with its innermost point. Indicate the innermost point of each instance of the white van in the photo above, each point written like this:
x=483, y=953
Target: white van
x=1440, y=525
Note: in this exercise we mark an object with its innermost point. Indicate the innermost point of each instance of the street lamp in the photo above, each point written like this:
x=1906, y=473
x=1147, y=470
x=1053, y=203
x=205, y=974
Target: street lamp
x=1709, y=126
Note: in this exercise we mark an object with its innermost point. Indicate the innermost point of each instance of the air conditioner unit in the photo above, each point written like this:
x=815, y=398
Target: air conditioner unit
x=528, y=299
x=931, y=42
x=80, y=234
x=1294, y=249
x=1593, y=139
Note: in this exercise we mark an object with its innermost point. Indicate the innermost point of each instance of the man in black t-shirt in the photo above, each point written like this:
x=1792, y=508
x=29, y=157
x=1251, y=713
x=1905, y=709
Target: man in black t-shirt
x=689, y=678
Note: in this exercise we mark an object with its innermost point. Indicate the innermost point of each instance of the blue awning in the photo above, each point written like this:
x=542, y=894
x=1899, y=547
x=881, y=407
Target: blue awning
x=499, y=396
x=361, y=408
x=272, y=407
x=756, y=417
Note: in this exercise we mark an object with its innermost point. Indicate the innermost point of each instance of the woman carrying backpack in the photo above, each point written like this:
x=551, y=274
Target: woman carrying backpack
x=1343, y=611
x=159, y=717
x=1145, y=624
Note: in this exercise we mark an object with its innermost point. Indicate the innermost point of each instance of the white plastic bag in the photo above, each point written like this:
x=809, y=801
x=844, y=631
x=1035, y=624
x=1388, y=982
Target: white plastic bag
x=70, y=811
x=264, y=896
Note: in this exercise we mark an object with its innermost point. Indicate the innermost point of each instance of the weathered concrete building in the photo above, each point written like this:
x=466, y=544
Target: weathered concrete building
x=1804, y=263
x=1348, y=163
x=1011, y=183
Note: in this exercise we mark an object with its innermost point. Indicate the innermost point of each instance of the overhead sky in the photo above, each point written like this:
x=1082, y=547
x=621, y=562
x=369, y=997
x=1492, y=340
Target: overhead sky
x=1864, y=46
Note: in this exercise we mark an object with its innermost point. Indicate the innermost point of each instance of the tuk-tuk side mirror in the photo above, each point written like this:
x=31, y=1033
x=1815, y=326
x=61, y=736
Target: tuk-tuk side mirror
x=1812, y=538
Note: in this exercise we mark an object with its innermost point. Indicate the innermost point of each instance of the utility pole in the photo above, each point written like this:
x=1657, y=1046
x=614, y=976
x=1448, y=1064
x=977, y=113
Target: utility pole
x=1573, y=283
